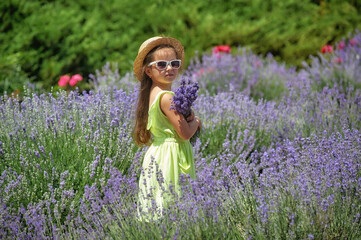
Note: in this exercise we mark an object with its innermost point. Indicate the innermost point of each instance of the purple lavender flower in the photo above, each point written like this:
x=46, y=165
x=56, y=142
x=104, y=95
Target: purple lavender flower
x=184, y=96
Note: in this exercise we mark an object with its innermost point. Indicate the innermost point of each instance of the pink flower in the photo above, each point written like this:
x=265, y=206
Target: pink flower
x=327, y=49
x=72, y=82
x=341, y=45
x=222, y=48
x=74, y=79
x=338, y=60
x=63, y=81
x=77, y=77
x=257, y=63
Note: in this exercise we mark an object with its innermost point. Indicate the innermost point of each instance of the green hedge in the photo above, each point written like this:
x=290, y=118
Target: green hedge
x=42, y=40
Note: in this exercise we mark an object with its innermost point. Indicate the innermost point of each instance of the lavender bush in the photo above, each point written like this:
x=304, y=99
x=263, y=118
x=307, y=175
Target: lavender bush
x=339, y=68
x=52, y=147
x=265, y=78
x=259, y=78
x=109, y=77
x=272, y=162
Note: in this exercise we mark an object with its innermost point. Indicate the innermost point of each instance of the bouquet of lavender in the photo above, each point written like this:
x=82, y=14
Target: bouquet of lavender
x=183, y=99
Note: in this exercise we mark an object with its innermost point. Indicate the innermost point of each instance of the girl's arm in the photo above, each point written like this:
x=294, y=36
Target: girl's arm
x=184, y=129
x=191, y=117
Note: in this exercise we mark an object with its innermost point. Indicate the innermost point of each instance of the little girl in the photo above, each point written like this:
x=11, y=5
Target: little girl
x=167, y=131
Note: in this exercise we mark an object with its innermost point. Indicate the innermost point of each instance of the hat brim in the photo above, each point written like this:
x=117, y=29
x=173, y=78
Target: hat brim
x=138, y=62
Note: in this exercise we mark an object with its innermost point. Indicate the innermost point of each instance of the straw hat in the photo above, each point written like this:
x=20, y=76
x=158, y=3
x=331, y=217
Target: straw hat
x=148, y=45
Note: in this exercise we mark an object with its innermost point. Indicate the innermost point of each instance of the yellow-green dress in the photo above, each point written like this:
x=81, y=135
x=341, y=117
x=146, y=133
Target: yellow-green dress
x=168, y=154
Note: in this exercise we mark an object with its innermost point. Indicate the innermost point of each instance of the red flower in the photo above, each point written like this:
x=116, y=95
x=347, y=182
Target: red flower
x=74, y=79
x=203, y=71
x=222, y=48
x=63, y=81
x=352, y=42
x=341, y=45
x=327, y=49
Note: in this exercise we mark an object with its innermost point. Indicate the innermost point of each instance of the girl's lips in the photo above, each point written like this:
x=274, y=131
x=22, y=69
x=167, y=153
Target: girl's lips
x=169, y=75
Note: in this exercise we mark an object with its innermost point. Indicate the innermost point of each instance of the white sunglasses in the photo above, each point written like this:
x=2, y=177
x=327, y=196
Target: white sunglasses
x=162, y=64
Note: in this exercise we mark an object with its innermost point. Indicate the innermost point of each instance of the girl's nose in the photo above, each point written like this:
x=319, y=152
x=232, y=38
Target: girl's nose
x=169, y=66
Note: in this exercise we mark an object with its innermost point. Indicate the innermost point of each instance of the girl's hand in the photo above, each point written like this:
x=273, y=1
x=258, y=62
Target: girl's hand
x=199, y=122
x=190, y=117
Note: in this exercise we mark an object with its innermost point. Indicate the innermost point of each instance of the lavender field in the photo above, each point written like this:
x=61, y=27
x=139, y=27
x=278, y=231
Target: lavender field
x=279, y=156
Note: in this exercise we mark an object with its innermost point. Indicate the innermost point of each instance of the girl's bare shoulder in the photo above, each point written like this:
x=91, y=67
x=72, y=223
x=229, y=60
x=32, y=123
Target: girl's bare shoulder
x=152, y=95
x=166, y=100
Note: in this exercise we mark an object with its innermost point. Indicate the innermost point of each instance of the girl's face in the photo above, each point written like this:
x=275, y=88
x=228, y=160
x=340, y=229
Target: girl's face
x=166, y=76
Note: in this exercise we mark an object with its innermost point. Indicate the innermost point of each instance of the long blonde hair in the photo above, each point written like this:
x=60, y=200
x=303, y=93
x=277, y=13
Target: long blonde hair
x=140, y=134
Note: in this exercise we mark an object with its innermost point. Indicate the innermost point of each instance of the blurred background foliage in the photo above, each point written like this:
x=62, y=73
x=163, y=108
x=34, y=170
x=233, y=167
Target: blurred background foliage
x=42, y=40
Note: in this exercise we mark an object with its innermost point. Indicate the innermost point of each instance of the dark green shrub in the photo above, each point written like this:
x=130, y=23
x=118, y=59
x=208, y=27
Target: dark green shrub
x=48, y=39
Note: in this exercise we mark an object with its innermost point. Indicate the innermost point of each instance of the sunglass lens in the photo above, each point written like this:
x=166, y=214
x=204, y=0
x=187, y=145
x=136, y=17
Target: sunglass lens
x=162, y=64
x=175, y=64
